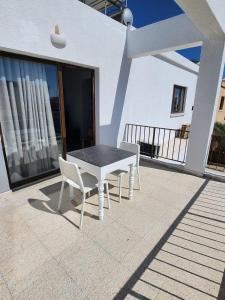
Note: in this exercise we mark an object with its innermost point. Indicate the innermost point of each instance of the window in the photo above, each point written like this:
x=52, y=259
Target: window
x=221, y=103
x=178, y=102
x=30, y=118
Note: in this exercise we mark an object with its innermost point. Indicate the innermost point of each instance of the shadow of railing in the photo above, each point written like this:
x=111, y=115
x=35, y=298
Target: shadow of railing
x=189, y=259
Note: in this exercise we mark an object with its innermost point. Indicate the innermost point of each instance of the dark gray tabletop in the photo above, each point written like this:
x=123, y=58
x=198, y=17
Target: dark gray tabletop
x=101, y=155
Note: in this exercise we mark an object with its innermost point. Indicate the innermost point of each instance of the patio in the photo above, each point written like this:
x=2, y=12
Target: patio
x=167, y=243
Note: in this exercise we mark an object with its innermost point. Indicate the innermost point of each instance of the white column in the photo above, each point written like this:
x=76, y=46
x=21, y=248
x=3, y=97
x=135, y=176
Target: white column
x=207, y=90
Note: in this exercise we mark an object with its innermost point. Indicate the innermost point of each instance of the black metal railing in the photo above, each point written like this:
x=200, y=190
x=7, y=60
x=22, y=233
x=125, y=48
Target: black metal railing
x=159, y=142
x=216, y=157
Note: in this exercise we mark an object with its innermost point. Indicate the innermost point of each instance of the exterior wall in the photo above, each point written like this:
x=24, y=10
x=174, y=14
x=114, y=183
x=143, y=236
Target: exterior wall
x=150, y=90
x=138, y=91
x=220, y=114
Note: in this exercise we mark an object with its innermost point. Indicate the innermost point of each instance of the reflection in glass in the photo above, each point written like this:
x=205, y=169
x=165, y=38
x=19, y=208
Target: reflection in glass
x=29, y=115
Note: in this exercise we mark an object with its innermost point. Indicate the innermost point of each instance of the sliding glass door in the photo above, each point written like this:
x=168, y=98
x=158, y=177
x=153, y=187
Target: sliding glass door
x=79, y=107
x=30, y=118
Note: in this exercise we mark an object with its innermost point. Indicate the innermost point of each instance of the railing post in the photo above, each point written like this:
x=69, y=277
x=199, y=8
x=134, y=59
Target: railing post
x=153, y=142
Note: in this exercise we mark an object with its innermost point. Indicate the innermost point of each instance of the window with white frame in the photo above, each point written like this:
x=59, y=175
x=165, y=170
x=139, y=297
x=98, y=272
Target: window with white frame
x=178, y=101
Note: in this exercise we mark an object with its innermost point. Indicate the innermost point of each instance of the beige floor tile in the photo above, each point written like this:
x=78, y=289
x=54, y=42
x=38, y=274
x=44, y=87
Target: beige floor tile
x=195, y=282
x=212, y=223
x=204, y=214
x=9, y=218
x=201, y=236
x=44, y=255
x=139, y=256
x=21, y=266
x=143, y=290
x=22, y=196
x=138, y=222
x=62, y=238
x=182, y=291
x=4, y=291
x=87, y=265
x=117, y=240
x=4, y=202
x=196, y=256
x=16, y=238
x=110, y=285
x=28, y=212
x=91, y=223
x=9, y=222
x=209, y=226
x=196, y=246
x=191, y=267
x=51, y=282
x=46, y=223
x=166, y=295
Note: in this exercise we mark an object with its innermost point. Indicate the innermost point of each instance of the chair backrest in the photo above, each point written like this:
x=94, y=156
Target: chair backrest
x=135, y=148
x=71, y=173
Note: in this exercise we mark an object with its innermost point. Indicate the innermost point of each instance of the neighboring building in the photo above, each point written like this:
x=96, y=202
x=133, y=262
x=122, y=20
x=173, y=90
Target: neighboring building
x=56, y=98
x=220, y=115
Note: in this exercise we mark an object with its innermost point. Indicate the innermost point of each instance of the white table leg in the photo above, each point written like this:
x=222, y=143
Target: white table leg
x=101, y=199
x=131, y=181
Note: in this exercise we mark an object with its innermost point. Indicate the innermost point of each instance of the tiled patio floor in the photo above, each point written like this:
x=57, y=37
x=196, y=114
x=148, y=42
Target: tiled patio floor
x=167, y=243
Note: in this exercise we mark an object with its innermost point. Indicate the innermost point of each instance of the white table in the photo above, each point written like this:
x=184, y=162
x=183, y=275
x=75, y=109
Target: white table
x=101, y=160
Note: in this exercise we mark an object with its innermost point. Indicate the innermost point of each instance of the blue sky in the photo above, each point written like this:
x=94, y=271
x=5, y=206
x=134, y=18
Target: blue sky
x=150, y=11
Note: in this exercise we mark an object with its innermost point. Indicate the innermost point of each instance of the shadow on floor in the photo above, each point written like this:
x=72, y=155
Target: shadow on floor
x=52, y=193
x=195, y=238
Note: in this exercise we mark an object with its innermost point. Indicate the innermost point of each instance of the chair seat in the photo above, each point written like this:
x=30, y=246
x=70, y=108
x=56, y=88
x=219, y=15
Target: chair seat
x=120, y=172
x=90, y=182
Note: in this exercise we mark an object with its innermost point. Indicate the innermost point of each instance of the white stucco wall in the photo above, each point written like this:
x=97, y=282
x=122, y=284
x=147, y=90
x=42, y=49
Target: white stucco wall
x=97, y=41
x=150, y=90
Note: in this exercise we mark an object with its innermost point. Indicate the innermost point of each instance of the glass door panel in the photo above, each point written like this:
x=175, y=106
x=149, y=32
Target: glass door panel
x=30, y=118
x=79, y=107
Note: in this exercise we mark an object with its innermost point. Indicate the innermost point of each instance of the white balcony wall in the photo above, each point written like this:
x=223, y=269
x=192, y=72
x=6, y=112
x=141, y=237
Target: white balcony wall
x=138, y=92
x=150, y=91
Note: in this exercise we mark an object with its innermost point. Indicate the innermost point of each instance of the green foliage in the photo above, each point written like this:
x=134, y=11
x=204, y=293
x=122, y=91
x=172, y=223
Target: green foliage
x=219, y=129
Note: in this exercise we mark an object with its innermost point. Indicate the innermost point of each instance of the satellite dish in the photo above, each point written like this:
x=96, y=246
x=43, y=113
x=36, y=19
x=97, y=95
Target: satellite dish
x=127, y=17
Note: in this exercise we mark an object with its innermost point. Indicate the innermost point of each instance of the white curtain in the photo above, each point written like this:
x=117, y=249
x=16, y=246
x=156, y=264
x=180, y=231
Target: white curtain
x=26, y=118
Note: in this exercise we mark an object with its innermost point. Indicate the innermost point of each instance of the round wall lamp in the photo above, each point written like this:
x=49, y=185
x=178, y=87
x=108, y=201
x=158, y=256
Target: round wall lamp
x=127, y=17
x=58, y=40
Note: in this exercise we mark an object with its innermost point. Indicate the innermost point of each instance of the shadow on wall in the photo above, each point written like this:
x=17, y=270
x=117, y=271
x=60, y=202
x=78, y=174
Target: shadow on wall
x=109, y=133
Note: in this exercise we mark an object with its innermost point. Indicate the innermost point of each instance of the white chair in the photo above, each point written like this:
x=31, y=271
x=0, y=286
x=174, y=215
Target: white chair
x=135, y=148
x=84, y=182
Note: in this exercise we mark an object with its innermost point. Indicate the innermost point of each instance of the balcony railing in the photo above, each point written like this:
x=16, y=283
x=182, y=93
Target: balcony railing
x=159, y=142
x=216, y=158
x=171, y=144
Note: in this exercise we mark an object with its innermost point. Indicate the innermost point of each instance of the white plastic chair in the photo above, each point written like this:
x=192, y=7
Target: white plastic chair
x=135, y=148
x=84, y=182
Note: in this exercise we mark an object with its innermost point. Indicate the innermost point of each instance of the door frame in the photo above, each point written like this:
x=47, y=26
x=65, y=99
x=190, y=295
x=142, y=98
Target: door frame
x=59, y=66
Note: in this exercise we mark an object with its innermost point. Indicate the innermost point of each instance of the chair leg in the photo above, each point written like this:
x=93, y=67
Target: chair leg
x=139, y=179
x=107, y=191
x=120, y=187
x=71, y=192
x=82, y=210
x=60, y=196
x=89, y=194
